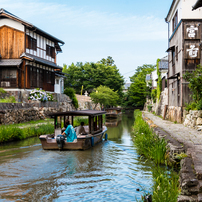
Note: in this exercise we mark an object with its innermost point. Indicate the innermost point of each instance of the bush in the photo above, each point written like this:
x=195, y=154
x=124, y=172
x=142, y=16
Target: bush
x=71, y=93
x=191, y=106
x=10, y=99
x=154, y=95
x=149, y=107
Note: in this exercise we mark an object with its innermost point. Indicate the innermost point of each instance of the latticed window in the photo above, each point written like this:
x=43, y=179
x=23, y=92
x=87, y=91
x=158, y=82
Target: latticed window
x=31, y=43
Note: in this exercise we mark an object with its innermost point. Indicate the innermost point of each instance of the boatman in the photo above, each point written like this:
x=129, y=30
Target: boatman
x=69, y=132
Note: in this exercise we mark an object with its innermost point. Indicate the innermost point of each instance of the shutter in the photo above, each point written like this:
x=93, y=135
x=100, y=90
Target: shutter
x=27, y=41
x=28, y=77
x=53, y=52
x=52, y=78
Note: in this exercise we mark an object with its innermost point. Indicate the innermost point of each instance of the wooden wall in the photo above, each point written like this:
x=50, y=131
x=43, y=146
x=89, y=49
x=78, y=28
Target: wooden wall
x=11, y=43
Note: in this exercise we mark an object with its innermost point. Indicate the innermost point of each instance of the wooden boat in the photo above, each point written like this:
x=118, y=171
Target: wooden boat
x=113, y=113
x=95, y=131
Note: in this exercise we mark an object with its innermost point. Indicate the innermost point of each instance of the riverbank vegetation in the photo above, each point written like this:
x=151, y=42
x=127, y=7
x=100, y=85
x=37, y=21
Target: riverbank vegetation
x=13, y=133
x=166, y=185
x=195, y=79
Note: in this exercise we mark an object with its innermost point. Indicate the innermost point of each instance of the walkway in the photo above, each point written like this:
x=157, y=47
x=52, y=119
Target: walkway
x=191, y=139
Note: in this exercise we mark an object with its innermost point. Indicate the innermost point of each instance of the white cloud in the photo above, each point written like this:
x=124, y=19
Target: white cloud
x=96, y=26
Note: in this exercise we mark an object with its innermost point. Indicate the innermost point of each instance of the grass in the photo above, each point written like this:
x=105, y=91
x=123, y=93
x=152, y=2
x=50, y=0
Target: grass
x=10, y=99
x=11, y=133
x=147, y=143
x=166, y=184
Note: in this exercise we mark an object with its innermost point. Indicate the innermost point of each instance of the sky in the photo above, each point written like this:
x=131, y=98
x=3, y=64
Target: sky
x=132, y=32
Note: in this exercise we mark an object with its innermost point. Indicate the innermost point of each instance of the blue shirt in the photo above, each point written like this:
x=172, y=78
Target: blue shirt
x=70, y=133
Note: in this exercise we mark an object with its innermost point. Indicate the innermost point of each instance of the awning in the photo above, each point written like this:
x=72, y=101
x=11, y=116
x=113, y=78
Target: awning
x=36, y=59
x=197, y=5
x=170, y=49
x=10, y=62
x=175, y=76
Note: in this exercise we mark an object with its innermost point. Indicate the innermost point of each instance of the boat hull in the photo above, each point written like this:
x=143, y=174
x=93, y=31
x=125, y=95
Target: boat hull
x=83, y=142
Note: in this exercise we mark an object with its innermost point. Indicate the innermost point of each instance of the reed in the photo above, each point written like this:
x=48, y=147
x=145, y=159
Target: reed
x=11, y=133
x=166, y=181
x=147, y=143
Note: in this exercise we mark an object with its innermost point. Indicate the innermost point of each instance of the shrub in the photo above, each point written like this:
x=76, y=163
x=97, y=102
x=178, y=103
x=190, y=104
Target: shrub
x=154, y=95
x=149, y=107
x=71, y=93
x=191, y=106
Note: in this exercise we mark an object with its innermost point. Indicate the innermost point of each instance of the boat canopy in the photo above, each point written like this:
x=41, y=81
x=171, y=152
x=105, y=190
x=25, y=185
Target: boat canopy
x=79, y=113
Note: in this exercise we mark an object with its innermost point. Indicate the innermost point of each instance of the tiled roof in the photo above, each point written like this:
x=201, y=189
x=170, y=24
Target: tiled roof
x=40, y=60
x=10, y=62
x=4, y=12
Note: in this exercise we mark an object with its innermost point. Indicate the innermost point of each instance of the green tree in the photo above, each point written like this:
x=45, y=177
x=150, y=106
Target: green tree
x=159, y=82
x=71, y=93
x=92, y=75
x=138, y=90
x=195, y=84
x=105, y=96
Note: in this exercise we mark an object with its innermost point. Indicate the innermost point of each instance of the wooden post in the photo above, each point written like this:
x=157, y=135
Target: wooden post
x=73, y=121
x=164, y=113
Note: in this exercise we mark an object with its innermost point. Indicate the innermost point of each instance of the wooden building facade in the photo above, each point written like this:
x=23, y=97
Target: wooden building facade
x=27, y=55
x=184, y=52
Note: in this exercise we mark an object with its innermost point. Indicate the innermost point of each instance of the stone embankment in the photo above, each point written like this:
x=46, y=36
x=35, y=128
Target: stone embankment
x=182, y=139
x=11, y=113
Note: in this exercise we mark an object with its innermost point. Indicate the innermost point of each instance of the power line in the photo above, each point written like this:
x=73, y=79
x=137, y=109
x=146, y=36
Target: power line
x=129, y=72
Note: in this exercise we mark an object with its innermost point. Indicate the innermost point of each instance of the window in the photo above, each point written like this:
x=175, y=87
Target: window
x=173, y=57
x=176, y=53
x=50, y=51
x=31, y=43
x=36, y=77
x=175, y=21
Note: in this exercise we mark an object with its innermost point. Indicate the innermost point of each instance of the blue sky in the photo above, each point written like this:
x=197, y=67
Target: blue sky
x=133, y=32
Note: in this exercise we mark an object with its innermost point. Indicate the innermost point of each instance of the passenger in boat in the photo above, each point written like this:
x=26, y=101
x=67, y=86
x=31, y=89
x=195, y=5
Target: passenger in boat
x=69, y=132
x=81, y=130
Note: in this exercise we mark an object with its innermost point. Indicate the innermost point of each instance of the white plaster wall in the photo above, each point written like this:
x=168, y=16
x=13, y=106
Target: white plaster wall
x=154, y=76
x=41, y=46
x=187, y=12
x=184, y=8
x=59, y=88
x=177, y=7
x=12, y=23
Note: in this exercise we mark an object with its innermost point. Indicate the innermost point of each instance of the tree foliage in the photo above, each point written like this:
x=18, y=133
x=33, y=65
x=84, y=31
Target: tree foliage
x=104, y=96
x=159, y=82
x=92, y=75
x=138, y=90
x=195, y=84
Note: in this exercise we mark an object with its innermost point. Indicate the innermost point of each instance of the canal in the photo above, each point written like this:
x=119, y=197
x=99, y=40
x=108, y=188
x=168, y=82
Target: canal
x=111, y=171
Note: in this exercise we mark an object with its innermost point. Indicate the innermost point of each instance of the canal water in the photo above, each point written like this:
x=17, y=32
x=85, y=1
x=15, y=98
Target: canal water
x=111, y=171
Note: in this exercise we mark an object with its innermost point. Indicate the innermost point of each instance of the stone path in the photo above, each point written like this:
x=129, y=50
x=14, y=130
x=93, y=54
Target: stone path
x=190, y=138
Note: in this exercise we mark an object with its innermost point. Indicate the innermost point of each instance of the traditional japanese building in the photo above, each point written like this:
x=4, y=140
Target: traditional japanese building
x=184, y=52
x=27, y=55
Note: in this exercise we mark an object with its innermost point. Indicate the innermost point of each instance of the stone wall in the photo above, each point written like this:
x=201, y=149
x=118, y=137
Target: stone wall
x=85, y=102
x=159, y=107
x=33, y=110
x=193, y=119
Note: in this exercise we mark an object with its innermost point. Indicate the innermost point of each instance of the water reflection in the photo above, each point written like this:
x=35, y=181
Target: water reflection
x=110, y=171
